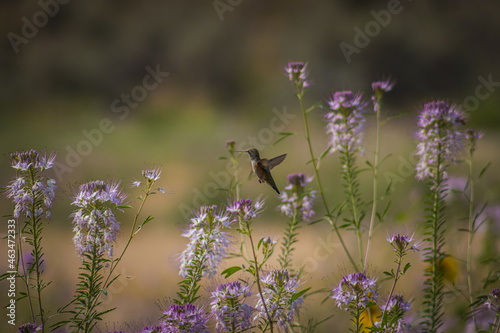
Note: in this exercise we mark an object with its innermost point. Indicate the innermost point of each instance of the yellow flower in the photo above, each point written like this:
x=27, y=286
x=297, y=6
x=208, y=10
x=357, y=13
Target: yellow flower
x=448, y=266
x=371, y=315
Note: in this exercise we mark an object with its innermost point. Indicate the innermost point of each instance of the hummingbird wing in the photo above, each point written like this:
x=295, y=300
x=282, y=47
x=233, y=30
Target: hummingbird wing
x=275, y=161
x=265, y=175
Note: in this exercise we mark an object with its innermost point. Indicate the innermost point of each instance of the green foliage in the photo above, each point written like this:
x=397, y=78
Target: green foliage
x=433, y=252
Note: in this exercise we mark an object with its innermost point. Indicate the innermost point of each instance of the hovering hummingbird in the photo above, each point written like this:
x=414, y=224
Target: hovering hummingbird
x=262, y=166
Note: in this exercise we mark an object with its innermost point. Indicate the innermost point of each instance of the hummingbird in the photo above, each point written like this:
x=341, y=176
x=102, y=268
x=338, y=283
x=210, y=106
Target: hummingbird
x=262, y=166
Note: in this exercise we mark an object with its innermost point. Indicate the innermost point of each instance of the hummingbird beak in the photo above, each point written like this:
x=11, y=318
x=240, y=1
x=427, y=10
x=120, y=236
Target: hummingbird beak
x=242, y=151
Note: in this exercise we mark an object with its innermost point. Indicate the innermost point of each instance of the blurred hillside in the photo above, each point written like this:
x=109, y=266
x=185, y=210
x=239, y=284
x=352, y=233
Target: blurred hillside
x=119, y=86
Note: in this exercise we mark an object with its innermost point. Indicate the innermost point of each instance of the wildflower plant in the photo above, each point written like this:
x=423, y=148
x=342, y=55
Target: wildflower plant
x=441, y=142
x=32, y=194
x=267, y=291
x=489, y=306
x=282, y=298
x=395, y=307
x=298, y=75
x=231, y=312
x=345, y=121
x=472, y=136
x=96, y=227
x=184, y=318
x=297, y=204
x=206, y=249
x=380, y=88
x=355, y=293
x=244, y=211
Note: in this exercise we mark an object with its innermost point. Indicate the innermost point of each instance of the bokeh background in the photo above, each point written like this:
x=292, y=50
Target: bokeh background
x=225, y=63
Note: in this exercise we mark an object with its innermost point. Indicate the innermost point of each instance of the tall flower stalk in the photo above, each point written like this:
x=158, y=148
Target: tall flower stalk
x=441, y=143
x=206, y=249
x=345, y=123
x=297, y=72
x=151, y=176
x=32, y=195
x=297, y=204
x=244, y=211
x=95, y=228
x=472, y=137
x=379, y=89
x=401, y=244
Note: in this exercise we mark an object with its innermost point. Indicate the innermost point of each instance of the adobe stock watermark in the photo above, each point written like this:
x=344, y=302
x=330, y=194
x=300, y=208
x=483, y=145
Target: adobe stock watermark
x=31, y=26
x=483, y=91
x=121, y=107
x=372, y=29
x=223, y=6
x=223, y=178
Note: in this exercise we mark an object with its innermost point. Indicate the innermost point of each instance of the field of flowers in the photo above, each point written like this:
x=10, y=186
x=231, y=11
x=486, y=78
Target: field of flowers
x=260, y=285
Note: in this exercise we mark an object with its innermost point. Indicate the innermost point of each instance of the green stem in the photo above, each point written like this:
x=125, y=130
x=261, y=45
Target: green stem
x=471, y=233
x=36, y=249
x=375, y=199
x=257, y=277
x=191, y=291
x=316, y=173
x=497, y=324
x=396, y=278
x=114, y=264
x=358, y=315
x=436, y=278
x=236, y=178
x=92, y=295
x=350, y=179
x=288, y=240
x=26, y=276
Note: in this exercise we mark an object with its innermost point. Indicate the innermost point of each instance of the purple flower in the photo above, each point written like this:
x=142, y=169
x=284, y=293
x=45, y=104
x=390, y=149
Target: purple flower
x=382, y=86
x=398, y=303
x=152, y=175
x=345, y=121
x=229, y=306
x=278, y=289
x=395, y=309
x=297, y=73
x=493, y=301
x=151, y=329
x=207, y=241
x=473, y=136
x=379, y=89
x=25, y=160
x=296, y=200
x=401, y=243
x=441, y=138
x=94, y=222
x=245, y=209
x=184, y=319
x=29, y=328
x=135, y=183
x=29, y=189
x=355, y=290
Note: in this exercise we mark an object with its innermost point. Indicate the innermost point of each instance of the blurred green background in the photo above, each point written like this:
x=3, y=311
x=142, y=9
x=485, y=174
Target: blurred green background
x=71, y=74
